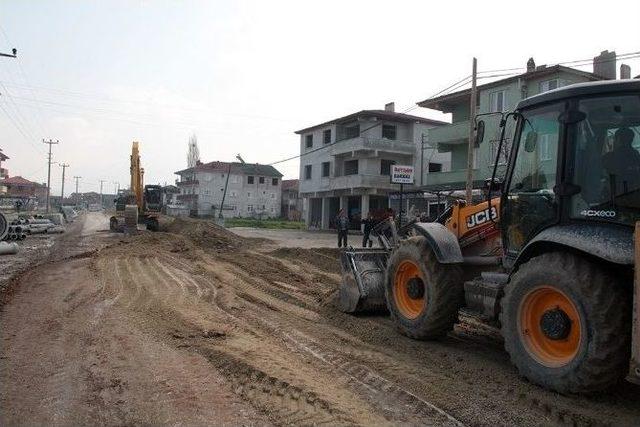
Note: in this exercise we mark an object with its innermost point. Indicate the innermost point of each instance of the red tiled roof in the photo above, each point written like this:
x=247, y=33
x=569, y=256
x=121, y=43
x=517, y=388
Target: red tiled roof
x=236, y=168
x=18, y=180
x=290, y=184
x=380, y=114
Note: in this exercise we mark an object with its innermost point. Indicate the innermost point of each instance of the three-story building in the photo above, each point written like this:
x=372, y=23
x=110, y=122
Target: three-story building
x=252, y=190
x=345, y=163
x=497, y=96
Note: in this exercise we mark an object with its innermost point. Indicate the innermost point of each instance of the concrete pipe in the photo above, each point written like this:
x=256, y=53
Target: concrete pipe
x=8, y=248
x=4, y=226
x=56, y=230
x=40, y=221
x=22, y=236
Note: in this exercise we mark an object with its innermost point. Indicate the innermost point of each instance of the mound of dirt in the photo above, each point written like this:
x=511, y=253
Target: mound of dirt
x=206, y=234
x=327, y=259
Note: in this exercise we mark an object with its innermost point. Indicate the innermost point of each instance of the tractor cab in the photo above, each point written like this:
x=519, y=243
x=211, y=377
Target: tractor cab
x=573, y=176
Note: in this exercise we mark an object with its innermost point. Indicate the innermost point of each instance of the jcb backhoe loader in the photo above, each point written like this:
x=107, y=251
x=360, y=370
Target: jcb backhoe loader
x=138, y=204
x=550, y=261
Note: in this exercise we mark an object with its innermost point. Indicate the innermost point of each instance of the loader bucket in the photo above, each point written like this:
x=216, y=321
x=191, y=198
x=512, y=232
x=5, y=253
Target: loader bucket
x=362, y=288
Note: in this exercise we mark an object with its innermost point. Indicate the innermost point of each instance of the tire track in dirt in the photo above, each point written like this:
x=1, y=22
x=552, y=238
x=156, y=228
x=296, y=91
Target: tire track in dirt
x=280, y=327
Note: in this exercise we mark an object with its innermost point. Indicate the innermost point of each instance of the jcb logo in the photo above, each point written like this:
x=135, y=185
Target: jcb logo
x=481, y=217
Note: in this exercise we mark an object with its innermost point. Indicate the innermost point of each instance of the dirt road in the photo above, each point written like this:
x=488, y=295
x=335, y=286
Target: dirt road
x=197, y=326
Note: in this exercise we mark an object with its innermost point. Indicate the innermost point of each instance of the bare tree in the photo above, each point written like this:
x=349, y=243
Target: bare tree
x=193, y=155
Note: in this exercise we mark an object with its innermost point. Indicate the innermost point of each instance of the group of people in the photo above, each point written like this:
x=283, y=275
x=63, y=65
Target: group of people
x=342, y=225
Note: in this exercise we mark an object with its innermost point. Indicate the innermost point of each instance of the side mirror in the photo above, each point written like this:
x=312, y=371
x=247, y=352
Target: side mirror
x=530, y=142
x=479, y=132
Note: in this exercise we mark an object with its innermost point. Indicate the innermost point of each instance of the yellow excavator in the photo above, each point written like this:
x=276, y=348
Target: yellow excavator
x=141, y=203
x=550, y=261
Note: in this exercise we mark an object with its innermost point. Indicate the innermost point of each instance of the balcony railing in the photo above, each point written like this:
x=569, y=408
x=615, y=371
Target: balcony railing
x=456, y=133
x=187, y=182
x=360, y=181
x=187, y=197
x=362, y=143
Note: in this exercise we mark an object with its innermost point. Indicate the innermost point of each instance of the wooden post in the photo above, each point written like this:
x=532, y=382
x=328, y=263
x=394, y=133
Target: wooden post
x=472, y=117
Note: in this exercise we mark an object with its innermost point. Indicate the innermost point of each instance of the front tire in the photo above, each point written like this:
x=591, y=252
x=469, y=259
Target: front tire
x=423, y=296
x=566, y=323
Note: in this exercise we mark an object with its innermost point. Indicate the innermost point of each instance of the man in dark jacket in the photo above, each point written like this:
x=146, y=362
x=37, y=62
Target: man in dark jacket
x=342, y=224
x=368, y=226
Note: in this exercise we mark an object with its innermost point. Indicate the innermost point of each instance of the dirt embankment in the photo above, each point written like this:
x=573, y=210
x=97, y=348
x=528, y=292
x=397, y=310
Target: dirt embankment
x=198, y=296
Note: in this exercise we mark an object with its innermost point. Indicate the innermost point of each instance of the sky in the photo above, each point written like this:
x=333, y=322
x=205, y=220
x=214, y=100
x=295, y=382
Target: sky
x=243, y=76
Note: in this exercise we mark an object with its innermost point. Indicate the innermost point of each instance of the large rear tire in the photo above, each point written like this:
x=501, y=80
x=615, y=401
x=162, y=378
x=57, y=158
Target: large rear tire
x=423, y=296
x=566, y=323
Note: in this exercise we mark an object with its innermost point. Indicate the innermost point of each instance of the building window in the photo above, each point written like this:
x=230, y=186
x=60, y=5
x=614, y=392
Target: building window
x=498, y=101
x=435, y=167
x=235, y=179
x=548, y=85
x=263, y=207
x=545, y=147
x=389, y=131
x=309, y=141
x=385, y=166
x=326, y=136
x=273, y=195
x=222, y=175
x=274, y=181
x=351, y=131
x=307, y=172
x=249, y=179
x=326, y=169
x=233, y=194
x=249, y=208
x=249, y=195
x=273, y=210
x=261, y=180
x=351, y=167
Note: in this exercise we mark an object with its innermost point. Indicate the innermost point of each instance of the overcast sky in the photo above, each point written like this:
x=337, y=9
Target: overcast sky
x=244, y=75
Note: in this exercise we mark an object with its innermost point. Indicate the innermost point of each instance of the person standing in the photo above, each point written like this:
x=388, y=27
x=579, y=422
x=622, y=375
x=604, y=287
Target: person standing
x=368, y=226
x=342, y=224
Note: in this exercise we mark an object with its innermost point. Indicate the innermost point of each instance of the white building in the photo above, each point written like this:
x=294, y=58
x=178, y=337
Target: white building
x=345, y=163
x=252, y=190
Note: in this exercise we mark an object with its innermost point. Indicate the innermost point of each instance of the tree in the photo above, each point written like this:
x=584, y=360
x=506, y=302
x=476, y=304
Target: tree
x=193, y=155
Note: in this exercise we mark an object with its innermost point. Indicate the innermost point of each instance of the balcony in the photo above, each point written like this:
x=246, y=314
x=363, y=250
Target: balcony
x=453, y=177
x=362, y=143
x=187, y=182
x=456, y=133
x=187, y=197
x=361, y=181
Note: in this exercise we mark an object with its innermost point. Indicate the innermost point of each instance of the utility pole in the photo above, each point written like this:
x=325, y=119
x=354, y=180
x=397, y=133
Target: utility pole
x=64, y=166
x=472, y=126
x=77, y=178
x=50, y=142
x=102, y=181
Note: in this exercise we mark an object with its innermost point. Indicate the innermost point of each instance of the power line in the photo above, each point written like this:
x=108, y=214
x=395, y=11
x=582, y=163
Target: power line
x=588, y=61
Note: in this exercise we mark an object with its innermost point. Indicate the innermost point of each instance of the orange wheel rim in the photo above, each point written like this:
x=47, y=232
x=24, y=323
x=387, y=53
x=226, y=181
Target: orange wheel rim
x=549, y=326
x=409, y=289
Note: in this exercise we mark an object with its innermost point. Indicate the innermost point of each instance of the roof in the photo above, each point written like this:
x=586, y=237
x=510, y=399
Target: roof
x=379, y=114
x=3, y=156
x=236, y=168
x=582, y=89
x=459, y=96
x=290, y=184
x=18, y=180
